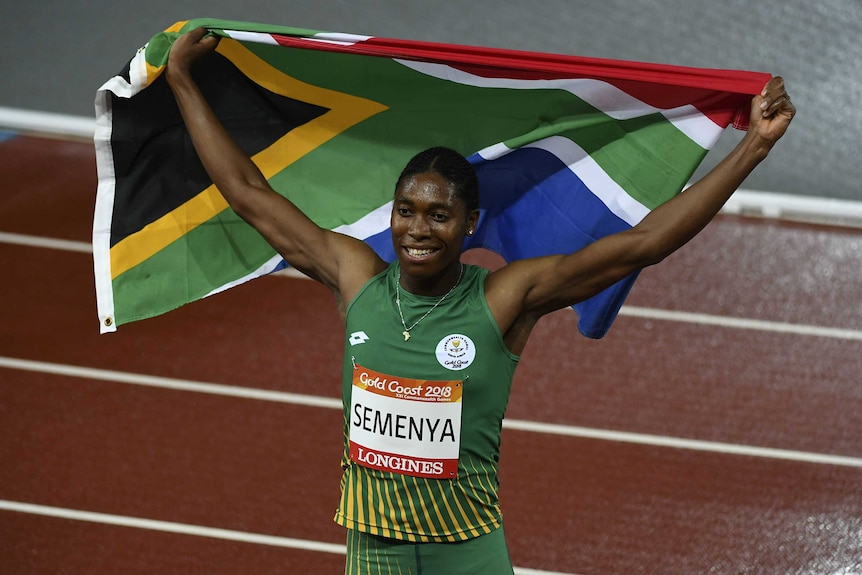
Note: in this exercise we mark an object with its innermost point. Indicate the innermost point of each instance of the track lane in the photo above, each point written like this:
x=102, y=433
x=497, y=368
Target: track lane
x=173, y=456
x=571, y=504
x=661, y=378
x=49, y=187
x=762, y=269
x=630, y=509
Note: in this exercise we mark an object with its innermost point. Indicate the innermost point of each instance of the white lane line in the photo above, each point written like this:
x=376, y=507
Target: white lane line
x=627, y=310
x=47, y=122
x=171, y=383
x=41, y=242
x=171, y=527
x=681, y=443
x=195, y=530
x=513, y=424
x=740, y=323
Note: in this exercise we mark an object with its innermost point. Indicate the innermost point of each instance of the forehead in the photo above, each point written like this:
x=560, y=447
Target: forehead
x=428, y=187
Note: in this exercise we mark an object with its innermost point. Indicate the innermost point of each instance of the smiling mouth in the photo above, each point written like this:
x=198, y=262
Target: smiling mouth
x=416, y=253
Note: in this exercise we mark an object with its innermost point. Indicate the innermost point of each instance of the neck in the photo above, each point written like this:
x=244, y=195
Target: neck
x=436, y=285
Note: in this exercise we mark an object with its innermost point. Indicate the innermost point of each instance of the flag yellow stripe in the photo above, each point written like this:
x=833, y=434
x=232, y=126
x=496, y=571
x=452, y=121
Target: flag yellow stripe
x=345, y=110
x=177, y=26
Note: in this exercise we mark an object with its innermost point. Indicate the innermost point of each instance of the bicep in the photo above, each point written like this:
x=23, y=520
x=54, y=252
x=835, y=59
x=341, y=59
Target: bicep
x=336, y=260
x=586, y=272
x=541, y=285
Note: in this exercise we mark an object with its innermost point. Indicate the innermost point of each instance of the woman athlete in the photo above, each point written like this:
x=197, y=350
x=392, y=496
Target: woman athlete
x=431, y=344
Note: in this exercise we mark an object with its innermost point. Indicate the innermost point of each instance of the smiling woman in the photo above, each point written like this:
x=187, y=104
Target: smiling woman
x=409, y=502
x=436, y=205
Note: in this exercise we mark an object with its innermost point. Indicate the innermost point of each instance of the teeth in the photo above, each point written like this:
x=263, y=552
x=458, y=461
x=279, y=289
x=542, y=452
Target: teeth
x=418, y=253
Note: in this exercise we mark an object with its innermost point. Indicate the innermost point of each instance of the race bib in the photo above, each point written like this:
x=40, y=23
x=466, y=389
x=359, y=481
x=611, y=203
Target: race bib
x=406, y=426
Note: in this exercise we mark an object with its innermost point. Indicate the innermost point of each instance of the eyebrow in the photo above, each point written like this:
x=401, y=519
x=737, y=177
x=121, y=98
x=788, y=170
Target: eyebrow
x=400, y=199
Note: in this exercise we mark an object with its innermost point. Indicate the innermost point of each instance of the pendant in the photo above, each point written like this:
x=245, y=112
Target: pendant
x=406, y=334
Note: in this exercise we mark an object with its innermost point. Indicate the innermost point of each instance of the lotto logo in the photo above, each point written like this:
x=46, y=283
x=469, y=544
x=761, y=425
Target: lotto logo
x=358, y=337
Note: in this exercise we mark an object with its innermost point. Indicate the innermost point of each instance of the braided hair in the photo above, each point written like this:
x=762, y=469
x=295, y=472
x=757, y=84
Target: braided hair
x=452, y=166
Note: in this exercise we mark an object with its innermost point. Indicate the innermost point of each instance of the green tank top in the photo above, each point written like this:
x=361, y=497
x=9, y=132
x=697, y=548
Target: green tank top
x=422, y=417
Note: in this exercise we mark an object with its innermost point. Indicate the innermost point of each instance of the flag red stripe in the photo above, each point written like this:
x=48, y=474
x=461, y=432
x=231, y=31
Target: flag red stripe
x=643, y=80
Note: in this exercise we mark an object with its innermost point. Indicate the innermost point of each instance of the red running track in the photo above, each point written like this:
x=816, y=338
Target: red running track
x=576, y=499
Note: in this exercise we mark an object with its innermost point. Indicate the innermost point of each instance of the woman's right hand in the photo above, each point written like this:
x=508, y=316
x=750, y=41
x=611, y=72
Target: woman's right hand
x=188, y=49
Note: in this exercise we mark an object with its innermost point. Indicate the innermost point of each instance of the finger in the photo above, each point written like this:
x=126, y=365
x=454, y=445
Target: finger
x=774, y=98
x=210, y=39
x=780, y=104
x=197, y=33
x=771, y=91
x=774, y=86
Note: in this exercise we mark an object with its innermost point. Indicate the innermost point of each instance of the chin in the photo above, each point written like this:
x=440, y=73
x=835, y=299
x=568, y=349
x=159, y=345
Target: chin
x=427, y=267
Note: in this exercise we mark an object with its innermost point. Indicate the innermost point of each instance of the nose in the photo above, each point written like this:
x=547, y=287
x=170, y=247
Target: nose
x=419, y=228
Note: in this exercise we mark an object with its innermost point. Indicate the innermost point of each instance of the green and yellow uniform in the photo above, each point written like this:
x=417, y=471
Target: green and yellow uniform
x=422, y=416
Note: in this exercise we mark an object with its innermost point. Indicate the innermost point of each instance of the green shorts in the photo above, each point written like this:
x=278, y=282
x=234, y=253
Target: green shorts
x=372, y=555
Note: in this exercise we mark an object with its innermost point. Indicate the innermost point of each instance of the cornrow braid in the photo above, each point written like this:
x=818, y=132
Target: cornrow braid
x=452, y=166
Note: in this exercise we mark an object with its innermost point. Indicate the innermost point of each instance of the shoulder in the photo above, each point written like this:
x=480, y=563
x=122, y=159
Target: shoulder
x=475, y=274
x=512, y=291
x=506, y=289
x=357, y=264
x=512, y=283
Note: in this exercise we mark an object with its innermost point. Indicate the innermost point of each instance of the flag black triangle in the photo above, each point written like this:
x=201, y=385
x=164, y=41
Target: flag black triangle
x=156, y=166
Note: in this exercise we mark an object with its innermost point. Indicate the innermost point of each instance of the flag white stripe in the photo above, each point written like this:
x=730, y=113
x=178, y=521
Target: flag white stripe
x=267, y=268
x=370, y=224
x=104, y=209
x=339, y=39
x=594, y=177
x=257, y=37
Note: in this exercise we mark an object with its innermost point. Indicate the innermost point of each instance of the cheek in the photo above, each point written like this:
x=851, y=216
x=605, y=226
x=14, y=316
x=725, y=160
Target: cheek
x=452, y=232
x=397, y=225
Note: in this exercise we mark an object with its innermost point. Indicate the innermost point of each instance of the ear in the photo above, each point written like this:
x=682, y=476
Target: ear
x=472, y=222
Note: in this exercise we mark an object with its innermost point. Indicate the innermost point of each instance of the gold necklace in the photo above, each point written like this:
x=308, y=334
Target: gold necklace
x=406, y=332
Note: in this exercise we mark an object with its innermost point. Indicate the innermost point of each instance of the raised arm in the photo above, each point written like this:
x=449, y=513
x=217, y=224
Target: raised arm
x=342, y=263
x=522, y=291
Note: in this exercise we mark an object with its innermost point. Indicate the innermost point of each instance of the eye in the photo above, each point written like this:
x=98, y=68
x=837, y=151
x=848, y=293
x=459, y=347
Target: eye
x=439, y=217
x=403, y=212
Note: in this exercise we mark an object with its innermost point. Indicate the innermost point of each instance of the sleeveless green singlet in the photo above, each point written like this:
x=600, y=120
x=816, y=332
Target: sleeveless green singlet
x=420, y=465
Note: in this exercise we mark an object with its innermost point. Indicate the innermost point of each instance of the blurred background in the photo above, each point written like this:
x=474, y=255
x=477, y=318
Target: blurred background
x=55, y=55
